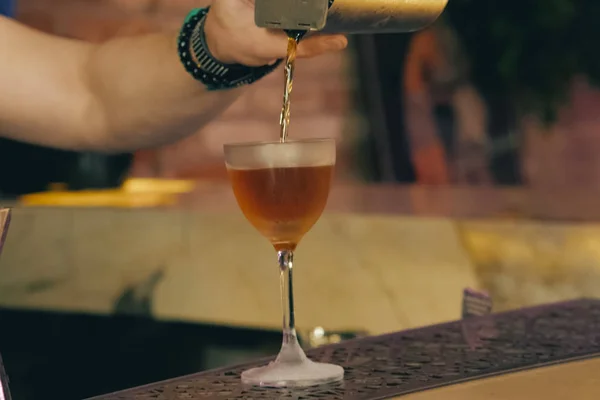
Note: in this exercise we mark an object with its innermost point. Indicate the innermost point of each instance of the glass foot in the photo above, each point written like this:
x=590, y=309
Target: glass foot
x=302, y=374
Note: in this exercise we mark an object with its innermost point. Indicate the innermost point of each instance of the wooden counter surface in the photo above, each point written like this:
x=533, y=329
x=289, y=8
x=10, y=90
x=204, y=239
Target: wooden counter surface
x=407, y=252
x=575, y=380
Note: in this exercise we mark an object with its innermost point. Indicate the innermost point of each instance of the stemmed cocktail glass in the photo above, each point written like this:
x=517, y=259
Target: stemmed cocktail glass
x=282, y=189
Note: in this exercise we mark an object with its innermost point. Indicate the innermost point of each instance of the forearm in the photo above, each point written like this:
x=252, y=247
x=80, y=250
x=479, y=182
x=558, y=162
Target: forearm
x=142, y=96
x=127, y=93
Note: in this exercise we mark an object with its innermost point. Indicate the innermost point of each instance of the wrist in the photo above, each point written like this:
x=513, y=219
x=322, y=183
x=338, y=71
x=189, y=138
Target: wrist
x=201, y=63
x=212, y=32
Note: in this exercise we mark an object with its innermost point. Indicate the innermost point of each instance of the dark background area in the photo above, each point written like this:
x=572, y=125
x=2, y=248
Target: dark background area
x=385, y=157
x=72, y=357
x=29, y=169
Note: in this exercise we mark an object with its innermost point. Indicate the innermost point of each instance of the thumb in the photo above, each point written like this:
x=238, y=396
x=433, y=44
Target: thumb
x=319, y=44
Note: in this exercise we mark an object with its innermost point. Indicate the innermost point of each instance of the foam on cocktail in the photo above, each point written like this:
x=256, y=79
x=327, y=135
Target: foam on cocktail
x=291, y=154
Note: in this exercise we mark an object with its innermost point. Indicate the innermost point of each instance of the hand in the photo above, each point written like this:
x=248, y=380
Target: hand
x=233, y=37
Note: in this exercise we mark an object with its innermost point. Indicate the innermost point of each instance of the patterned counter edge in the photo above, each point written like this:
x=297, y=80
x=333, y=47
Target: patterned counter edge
x=404, y=362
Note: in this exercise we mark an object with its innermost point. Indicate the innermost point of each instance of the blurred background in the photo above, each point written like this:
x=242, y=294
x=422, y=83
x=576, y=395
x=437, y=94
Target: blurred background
x=468, y=155
x=486, y=100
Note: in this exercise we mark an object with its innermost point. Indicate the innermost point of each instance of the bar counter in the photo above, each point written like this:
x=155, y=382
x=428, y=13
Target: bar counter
x=381, y=259
x=550, y=352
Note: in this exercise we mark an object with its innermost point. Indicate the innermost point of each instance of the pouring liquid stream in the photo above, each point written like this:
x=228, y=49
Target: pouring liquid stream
x=290, y=61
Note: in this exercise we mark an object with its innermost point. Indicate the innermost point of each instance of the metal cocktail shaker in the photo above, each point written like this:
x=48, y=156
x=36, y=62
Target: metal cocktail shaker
x=348, y=16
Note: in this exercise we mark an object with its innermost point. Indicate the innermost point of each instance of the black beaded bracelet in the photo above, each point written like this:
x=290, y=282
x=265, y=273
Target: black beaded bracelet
x=199, y=62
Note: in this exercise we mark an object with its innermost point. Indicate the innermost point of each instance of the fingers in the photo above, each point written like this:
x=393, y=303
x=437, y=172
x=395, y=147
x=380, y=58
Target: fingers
x=273, y=46
x=319, y=44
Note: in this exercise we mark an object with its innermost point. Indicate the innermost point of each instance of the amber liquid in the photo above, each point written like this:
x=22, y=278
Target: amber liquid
x=290, y=62
x=282, y=203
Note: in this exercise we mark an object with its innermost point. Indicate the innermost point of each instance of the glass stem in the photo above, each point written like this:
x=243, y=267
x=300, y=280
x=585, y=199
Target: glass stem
x=290, y=348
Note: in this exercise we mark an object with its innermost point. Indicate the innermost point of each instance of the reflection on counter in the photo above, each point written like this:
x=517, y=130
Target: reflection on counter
x=320, y=337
